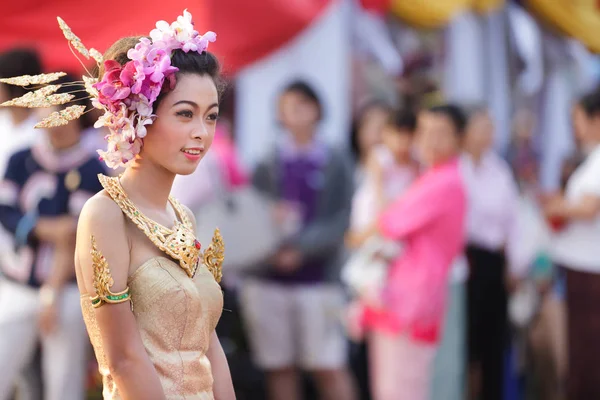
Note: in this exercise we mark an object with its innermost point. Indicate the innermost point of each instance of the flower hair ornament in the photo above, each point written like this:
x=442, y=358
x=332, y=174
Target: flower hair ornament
x=125, y=93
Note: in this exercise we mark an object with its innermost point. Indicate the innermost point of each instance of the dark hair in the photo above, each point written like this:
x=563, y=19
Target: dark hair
x=307, y=91
x=590, y=103
x=18, y=62
x=404, y=120
x=357, y=122
x=455, y=114
x=192, y=62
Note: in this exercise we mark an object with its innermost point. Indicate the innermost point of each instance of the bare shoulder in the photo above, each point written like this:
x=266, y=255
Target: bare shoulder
x=102, y=229
x=101, y=209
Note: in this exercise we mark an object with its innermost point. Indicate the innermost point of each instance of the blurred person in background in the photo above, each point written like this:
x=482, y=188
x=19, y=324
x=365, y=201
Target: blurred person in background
x=16, y=123
x=548, y=331
x=16, y=133
x=404, y=321
x=388, y=172
x=366, y=133
x=575, y=249
x=41, y=195
x=493, y=242
x=293, y=309
x=522, y=156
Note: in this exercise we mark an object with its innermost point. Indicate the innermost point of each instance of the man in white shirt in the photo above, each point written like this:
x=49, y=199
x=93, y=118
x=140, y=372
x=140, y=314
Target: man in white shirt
x=493, y=245
x=577, y=250
x=17, y=133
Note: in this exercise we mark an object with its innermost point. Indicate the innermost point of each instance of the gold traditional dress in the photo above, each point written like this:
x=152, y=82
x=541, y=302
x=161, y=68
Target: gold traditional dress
x=176, y=301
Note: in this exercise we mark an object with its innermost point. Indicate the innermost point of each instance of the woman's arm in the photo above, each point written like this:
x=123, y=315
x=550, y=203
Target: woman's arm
x=223, y=385
x=587, y=208
x=129, y=364
x=368, y=200
x=417, y=208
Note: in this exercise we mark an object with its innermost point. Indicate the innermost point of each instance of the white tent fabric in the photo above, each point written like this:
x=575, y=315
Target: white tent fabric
x=321, y=56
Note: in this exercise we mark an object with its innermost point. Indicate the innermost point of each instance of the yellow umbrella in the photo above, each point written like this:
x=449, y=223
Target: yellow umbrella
x=577, y=18
x=486, y=6
x=437, y=13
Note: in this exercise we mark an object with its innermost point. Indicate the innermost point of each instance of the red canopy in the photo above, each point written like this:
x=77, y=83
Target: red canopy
x=246, y=30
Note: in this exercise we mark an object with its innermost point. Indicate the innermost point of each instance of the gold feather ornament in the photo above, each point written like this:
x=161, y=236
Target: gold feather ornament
x=72, y=38
x=61, y=117
x=26, y=80
x=40, y=98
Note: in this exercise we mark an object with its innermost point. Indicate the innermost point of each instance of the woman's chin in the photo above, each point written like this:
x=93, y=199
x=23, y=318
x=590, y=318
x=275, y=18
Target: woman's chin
x=186, y=169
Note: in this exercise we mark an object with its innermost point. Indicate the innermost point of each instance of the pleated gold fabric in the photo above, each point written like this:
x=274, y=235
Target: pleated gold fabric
x=176, y=316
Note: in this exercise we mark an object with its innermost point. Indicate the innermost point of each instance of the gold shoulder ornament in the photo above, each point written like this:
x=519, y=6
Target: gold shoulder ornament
x=214, y=255
x=103, y=281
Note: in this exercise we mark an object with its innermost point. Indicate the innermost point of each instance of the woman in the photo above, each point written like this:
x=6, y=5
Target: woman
x=493, y=244
x=575, y=250
x=405, y=320
x=390, y=171
x=149, y=305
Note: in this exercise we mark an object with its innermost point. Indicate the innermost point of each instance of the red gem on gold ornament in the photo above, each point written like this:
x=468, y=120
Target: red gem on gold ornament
x=197, y=244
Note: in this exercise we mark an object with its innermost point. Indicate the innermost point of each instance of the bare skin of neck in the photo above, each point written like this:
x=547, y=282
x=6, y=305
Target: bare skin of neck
x=303, y=138
x=147, y=184
x=476, y=155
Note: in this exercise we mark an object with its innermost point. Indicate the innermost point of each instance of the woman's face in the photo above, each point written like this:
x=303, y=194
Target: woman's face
x=479, y=136
x=185, y=125
x=370, y=128
x=437, y=140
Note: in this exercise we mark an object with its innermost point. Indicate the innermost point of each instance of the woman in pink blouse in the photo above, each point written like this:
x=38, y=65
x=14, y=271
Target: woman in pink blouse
x=405, y=320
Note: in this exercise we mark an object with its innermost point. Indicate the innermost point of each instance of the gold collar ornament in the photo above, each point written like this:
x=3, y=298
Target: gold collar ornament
x=178, y=242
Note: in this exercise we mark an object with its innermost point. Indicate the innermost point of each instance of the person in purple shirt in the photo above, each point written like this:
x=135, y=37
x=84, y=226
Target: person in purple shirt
x=293, y=308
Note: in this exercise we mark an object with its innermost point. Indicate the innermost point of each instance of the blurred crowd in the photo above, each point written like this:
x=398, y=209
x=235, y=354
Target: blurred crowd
x=413, y=263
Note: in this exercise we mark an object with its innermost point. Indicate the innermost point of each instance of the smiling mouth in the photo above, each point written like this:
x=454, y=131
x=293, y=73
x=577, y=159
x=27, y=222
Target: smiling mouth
x=193, y=152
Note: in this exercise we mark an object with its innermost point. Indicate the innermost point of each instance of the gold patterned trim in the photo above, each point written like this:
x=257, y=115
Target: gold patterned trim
x=103, y=281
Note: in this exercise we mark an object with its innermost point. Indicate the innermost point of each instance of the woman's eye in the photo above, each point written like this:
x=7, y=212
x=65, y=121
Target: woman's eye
x=185, y=113
x=213, y=117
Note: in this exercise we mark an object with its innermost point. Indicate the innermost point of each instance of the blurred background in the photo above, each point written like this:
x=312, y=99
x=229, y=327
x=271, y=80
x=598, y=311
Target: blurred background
x=523, y=63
